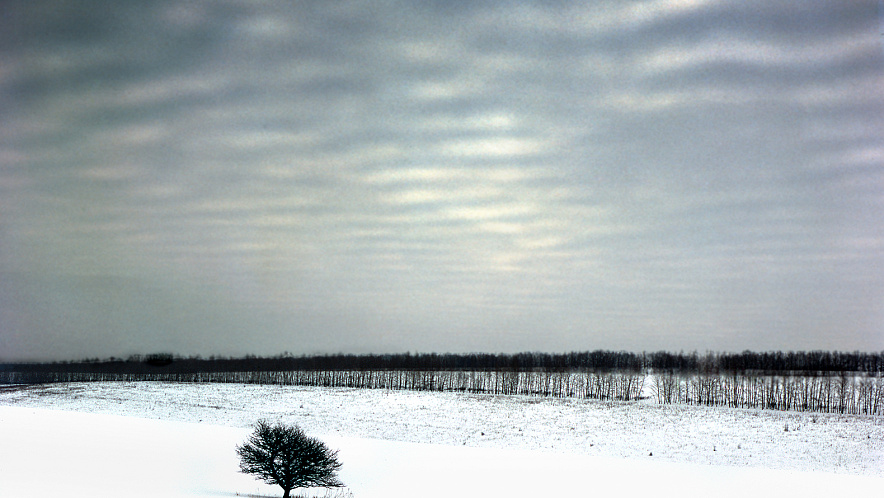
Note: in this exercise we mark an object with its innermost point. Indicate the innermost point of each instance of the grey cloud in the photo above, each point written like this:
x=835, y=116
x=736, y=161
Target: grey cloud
x=508, y=170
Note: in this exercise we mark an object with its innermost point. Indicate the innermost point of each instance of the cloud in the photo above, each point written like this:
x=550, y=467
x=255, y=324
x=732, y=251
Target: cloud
x=562, y=166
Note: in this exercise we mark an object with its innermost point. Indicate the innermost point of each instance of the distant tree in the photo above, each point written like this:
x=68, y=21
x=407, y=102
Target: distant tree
x=283, y=455
x=159, y=359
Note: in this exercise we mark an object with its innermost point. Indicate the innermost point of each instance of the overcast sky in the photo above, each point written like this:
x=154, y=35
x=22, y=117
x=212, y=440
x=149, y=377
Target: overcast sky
x=233, y=177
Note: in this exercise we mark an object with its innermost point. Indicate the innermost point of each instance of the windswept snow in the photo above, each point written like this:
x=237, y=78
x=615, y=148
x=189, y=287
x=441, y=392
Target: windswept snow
x=99, y=440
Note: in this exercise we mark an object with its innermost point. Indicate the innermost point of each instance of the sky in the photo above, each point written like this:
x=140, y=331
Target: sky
x=258, y=177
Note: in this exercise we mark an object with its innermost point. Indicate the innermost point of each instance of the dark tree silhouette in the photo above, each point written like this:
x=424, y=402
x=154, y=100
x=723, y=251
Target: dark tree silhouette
x=283, y=455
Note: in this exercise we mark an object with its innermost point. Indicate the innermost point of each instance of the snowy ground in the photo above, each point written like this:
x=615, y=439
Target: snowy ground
x=169, y=440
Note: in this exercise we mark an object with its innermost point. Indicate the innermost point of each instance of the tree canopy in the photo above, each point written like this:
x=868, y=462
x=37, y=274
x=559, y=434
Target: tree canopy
x=283, y=455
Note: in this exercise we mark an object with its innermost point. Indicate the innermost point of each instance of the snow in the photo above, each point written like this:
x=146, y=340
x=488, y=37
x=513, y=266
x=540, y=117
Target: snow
x=177, y=440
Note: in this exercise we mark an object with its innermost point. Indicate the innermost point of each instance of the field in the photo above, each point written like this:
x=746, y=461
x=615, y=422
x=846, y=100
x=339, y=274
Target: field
x=166, y=439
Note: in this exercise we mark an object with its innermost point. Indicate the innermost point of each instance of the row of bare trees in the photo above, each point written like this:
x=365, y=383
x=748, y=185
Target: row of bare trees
x=803, y=381
x=769, y=363
x=858, y=394
x=589, y=385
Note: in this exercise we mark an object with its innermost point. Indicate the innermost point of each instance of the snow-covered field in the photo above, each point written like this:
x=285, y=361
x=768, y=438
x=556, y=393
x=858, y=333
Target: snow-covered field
x=177, y=440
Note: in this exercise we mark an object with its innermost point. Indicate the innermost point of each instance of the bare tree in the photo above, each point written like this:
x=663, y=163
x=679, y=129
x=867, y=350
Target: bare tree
x=283, y=455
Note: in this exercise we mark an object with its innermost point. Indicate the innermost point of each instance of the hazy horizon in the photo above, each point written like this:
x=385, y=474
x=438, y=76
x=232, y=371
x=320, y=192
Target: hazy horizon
x=239, y=177
x=154, y=356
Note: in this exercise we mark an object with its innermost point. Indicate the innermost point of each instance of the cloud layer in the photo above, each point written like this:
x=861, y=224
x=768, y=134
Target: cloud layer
x=377, y=176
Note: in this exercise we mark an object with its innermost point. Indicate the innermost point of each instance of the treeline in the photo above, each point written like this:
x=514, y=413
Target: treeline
x=601, y=386
x=809, y=363
x=137, y=364
x=846, y=393
x=855, y=394
x=849, y=383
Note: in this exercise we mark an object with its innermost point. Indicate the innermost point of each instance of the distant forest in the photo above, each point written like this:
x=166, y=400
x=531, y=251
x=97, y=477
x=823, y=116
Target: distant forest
x=764, y=363
x=818, y=381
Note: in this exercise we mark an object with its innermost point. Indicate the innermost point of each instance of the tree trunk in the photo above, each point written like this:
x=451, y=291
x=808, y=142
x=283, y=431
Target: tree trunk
x=287, y=492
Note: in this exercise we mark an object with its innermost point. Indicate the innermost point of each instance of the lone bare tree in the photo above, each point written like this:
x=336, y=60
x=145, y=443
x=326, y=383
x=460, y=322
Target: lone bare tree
x=283, y=455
